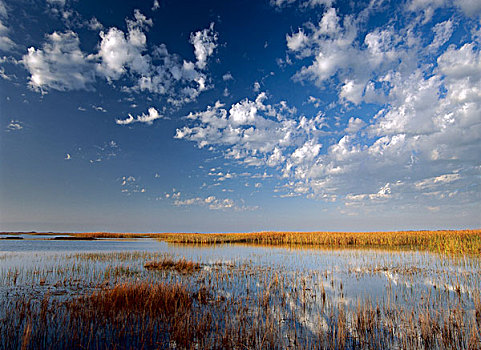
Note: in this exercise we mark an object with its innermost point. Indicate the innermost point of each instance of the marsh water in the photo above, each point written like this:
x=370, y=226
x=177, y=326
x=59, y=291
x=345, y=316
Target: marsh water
x=311, y=278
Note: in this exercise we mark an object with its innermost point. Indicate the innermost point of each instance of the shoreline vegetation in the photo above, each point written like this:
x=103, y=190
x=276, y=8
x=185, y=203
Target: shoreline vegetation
x=457, y=242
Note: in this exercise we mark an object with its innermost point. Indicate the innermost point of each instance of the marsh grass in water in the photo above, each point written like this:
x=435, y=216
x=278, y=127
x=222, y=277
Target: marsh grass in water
x=145, y=315
x=182, y=266
x=114, y=300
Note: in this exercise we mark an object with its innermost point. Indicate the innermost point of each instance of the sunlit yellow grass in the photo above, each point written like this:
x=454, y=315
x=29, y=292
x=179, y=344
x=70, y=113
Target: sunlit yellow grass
x=457, y=242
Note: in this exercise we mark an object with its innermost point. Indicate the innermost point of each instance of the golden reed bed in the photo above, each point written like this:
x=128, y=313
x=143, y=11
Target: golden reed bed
x=442, y=241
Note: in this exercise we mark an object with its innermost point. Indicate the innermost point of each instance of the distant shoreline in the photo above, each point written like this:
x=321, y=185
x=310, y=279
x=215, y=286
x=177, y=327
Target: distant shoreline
x=455, y=242
x=152, y=234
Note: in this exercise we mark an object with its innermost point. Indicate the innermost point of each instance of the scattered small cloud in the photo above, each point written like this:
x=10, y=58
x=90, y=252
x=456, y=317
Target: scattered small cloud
x=129, y=185
x=94, y=24
x=210, y=202
x=227, y=77
x=14, y=125
x=99, y=109
x=143, y=118
x=262, y=176
x=315, y=101
x=108, y=150
x=96, y=153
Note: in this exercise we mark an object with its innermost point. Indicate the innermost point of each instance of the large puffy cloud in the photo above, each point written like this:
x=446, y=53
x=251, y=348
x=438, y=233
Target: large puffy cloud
x=119, y=52
x=60, y=64
x=183, y=81
x=159, y=72
x=461, y=64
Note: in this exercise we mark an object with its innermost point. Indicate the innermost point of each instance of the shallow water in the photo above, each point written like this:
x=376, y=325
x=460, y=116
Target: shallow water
x=33, y=236
x=346, y=274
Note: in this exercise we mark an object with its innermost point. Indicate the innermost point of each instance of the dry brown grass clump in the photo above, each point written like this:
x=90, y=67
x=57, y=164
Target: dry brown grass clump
x=182, y=266
x=138, y=315
x=137, y=298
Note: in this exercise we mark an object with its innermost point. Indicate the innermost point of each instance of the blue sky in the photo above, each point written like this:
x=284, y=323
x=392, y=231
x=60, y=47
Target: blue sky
x=211, y=116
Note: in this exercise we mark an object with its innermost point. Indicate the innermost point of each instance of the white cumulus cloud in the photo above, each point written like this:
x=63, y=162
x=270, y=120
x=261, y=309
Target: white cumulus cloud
x=204, y=42
x=143, y=118
x=59, y=64
x=124, y=57
x=119, y=52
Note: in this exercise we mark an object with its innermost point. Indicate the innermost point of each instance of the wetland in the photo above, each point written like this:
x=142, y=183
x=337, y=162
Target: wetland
x=146, y=291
